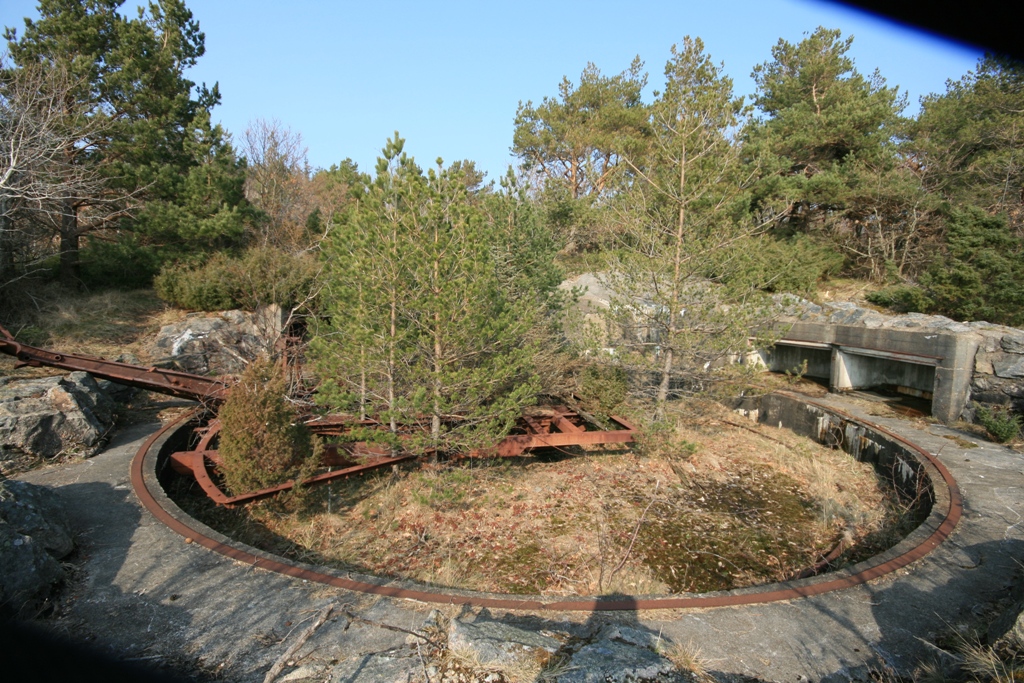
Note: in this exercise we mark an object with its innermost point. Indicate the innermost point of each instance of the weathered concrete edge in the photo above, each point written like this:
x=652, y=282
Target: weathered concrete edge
x=942, y=520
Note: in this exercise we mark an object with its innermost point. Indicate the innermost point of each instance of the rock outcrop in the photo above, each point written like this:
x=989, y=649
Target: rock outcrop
x=34, y=536
x=483, y=649
x=621, y=654
x=217, y=343
x=53, y=415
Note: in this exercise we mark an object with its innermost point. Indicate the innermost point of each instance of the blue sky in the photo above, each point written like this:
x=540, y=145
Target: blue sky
x=449, y=75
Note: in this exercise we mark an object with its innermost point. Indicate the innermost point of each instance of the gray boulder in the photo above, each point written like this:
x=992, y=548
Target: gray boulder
x=1013, y=343
x=218, y=343
x=36, y=511
x=620, y=654
x=34, y=535
x=496, y=645
x=53, y=415
x=1008, y=365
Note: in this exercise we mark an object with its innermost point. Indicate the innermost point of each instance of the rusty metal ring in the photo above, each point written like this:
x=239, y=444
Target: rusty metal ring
x=941, y=522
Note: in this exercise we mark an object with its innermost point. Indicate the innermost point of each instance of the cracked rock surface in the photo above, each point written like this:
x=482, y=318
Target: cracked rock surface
x=34, y=536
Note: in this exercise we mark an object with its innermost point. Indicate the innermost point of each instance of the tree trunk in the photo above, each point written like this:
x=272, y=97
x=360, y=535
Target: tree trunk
x=677, y=264
x=435, y=418
x=6, y=245
x=70, y=271
x=362, y=383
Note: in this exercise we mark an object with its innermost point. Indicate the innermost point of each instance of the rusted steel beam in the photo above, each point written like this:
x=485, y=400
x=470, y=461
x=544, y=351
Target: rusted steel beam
x=562, y=423
x=208, y=390
x=516, y=444
x=354, y=458
x=552, y=428
x=197, y=463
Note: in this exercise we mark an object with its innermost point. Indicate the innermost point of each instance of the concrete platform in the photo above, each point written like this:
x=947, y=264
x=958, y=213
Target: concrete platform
x=144, y=594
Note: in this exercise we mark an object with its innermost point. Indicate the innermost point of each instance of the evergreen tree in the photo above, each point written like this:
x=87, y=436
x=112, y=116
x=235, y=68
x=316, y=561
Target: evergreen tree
x=572, y=146
x=830, y=159
x=577, y=138
x=967, y=147
x=684, y=212
x=468, y=331
x=361, y=349
x=418, y=322
x=970, y=140
x=135, y=110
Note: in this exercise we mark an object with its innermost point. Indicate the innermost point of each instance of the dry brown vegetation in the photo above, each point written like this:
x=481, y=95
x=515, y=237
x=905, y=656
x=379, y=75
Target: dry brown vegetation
x=103, y=324
x=708, y=504
x=106, y=324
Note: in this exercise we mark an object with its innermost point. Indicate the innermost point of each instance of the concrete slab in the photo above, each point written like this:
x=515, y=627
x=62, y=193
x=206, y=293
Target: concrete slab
x=143, y=594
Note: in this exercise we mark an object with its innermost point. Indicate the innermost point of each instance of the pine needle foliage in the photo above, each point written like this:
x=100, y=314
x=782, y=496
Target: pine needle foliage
x=419, y=322
x=262, y=444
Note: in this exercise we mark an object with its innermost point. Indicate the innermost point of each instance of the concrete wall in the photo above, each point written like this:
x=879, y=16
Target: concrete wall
x=853, y=370
x=911, y=477
x=787, y=358
x=924, y=360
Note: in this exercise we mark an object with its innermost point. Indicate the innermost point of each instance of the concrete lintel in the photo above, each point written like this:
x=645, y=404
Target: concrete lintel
x=804, y=344
x=893, y=355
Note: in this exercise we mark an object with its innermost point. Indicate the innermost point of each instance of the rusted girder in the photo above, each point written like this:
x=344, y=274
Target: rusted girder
x=210, y=390
x=556, y=429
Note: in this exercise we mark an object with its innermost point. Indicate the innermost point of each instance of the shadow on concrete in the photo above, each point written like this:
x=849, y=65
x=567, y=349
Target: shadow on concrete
x=96, y=631
x=968, y=590
x=971, y=593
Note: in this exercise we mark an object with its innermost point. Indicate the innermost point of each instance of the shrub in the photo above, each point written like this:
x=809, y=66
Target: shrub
x=205, y=288
x=603, y=387
x=902, y=299
x=266, y=275
x=126, y=263
x=1000, y=422
x=261, y=443
x=259, y=277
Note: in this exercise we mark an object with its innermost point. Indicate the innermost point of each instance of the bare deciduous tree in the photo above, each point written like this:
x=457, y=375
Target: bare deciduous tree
x=278, y=182
x=41, y=178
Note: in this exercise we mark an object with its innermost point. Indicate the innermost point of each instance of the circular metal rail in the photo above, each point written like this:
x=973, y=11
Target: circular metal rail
x=918, y=544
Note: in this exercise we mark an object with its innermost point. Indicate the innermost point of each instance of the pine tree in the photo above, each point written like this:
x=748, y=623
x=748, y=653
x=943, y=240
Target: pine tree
x=362, y=348
x=970, y=140
x=418, y=322
x=468, y=332
x=135, y=110
x=830, y=159
x=685, y=211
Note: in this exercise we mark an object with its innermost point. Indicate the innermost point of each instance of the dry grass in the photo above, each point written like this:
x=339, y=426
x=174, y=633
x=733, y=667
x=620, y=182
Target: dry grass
x=689, y=659
x=103, y=324
x=466, y=666
x=845, y=289
x=705, y=506
x=985, y=666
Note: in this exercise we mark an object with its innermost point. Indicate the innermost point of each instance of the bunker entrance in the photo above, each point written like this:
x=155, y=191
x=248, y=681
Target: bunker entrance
x=905, y=382
x=810, y=362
